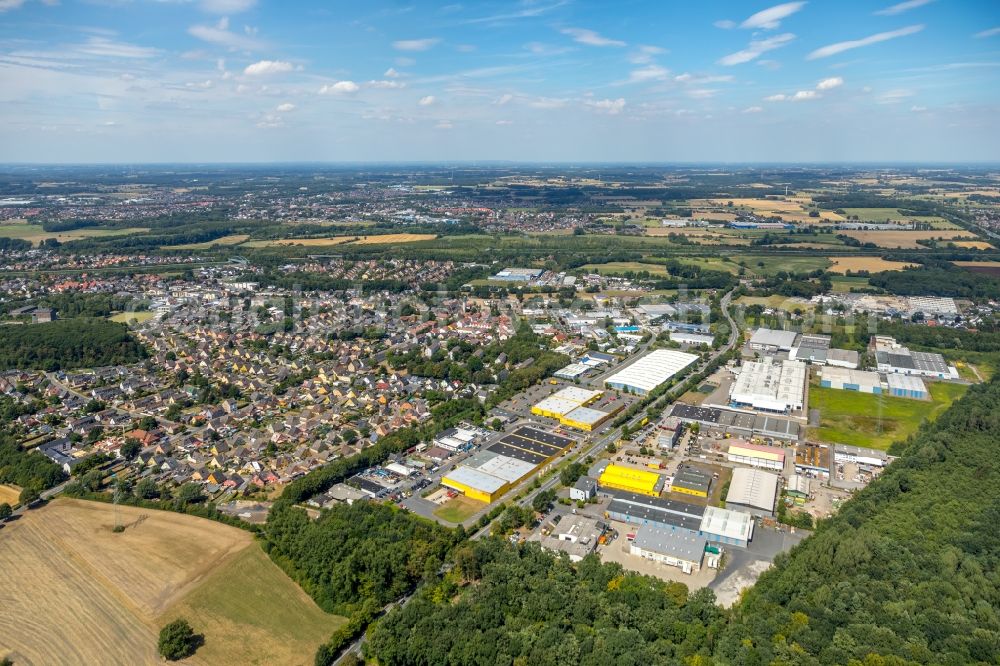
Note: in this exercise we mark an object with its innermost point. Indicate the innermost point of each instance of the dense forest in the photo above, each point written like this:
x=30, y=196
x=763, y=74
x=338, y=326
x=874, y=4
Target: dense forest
x=67, y=343
x=27, y=469
x=938, y=281
x=905, y=573
x=351, y=554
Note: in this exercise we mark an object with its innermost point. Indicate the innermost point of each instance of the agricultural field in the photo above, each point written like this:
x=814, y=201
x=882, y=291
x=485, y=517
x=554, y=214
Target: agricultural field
x=876, y=421
x=624, y=267
x=458, y=509
x=905, y=239
x=99, y=597
x=9, y=494
x=974, y=245
x=771, y=264
x=981, y=266
x=127, y=317
x=394, y=238
x=844, y=265
x=700, y=235
x=844, y=285
x=35, y=234
x=793, y=209
x=304, y=242
x=232, y=239
x=227, y=608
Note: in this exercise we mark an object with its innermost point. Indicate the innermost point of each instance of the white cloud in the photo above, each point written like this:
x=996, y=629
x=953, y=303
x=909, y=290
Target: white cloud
x=645, y=55
x=757, y=48
x=415, y=44
x=918, y=109
x=391, y=73
x=444, y=124
x=505, y=122
x=504, y=99
x=386, y=84
x=902, y=7
x=270, y=121
x=690, y=78
x=7, y=5
x=725, y=24
x=287, y=107
x=894, y=96
x=465, y=48
x=227, y=7
x=268, y=68
x=590, y=37
x=611, y=107
x=339, y=88
x=548, y=103
x=992, y=32
x=753, y=109
x=100, y=46
x=650, y=73
x=220, y=35
x=701, y=93
x=840, y=47
x=427, y=101
x=803, y=95
x=769, y=19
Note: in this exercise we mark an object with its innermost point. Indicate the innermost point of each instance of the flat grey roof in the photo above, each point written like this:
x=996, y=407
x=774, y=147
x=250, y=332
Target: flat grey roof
x=682, y=546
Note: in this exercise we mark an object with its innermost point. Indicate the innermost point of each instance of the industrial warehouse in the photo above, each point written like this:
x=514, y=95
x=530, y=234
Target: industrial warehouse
x=892, y=357
x=680, y=519
x=771, y=386
x=851, y=380
x=755, y=455
x=569, y=407
x=631, y=480
x=736, y=422
x=650, y=371
x=490, y=473
x=753, y=491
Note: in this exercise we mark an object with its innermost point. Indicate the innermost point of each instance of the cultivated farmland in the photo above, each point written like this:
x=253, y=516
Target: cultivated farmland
x=77, y=593
x=394, y=238
x=906, y=239
x=35, y=234
x=871, y=264
x=9, y=494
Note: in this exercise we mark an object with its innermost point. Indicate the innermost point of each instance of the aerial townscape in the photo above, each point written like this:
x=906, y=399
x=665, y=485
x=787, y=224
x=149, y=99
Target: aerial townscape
x=556, y=334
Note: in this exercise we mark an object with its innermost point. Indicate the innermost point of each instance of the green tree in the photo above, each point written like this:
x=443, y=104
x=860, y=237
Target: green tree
x=177, y=640
x=5, y=511
x=147, y=489
x=130, y=449
x=28, y=495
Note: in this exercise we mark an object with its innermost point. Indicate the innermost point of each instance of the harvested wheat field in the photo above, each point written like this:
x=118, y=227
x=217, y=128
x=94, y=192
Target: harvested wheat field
x=305, y=242
x=9, y=494
x=77, y=593
x=394, y=238
x=974, y=245
x=905, y=239
x=844, y=265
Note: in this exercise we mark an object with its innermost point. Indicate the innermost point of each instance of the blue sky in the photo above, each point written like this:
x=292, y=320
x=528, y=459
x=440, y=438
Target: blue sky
x=535, y=80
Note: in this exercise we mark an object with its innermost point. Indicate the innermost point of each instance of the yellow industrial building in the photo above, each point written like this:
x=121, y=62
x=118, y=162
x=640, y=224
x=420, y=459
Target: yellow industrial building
x=565, y=401
x=631, y=480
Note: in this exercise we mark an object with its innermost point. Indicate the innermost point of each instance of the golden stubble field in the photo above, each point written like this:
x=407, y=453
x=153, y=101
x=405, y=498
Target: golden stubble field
x=75, y=592
x=906, y=239
x=871, y=264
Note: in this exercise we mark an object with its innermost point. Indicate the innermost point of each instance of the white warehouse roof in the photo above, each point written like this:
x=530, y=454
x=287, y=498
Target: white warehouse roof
x=753, y=487
x=474, y=478
x=735, y=525
x=770, y=386
x=508, y=469
x=652, y=369
x=769, y=337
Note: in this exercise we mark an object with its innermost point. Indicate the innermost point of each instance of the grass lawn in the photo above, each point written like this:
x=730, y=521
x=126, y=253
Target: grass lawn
x=252, y=613
x=848, y=417
x=843, y=285
x=126, y=317
x=876, y=214
x=458, y=509
x=232, y=239
x=775, y=263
